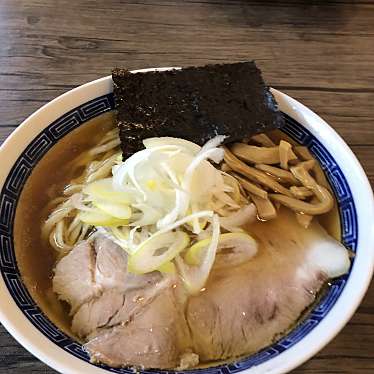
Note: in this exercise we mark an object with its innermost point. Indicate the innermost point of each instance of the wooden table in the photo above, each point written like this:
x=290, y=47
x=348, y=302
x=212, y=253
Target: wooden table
x=319, y=52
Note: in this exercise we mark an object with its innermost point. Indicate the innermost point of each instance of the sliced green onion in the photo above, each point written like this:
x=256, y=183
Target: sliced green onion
x=195, y=277
x=243, y=247
x=115, y=210
x=119, y=234
x=102, y=189
x=99, y=218
x=194, y=253
x=167, y=268
x=156, y=251
x=166, y=140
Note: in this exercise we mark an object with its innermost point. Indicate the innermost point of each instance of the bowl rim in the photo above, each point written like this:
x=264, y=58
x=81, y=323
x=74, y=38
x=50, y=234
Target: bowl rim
x=40, y=346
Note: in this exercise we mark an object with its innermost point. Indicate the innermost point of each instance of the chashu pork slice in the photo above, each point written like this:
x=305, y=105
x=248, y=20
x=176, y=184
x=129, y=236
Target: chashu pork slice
x=241, y=311
x=244, y=310
x=157, y=337
x=115, y=307
x=74, y=279
x=111, y=268
x=97, y=312
x=91, y=268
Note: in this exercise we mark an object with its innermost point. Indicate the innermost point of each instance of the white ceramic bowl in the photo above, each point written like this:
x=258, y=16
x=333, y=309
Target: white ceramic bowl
x=38, y=133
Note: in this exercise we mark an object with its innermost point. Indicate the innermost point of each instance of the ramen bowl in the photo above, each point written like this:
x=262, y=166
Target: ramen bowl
x=38, y=134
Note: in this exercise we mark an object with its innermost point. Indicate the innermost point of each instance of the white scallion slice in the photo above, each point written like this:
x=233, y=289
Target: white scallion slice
x=167, y=268
x=187, y=219
x=243, y=216
x=193, y=148
x=121, y=234
x=180, y=197
x=115, y=210
x=242, y=247
x=127, y=169
x=148, y=215
x=215, y=154
x=156, y=251
x=213, y=143
x=195, y=277
x=102, y=189
x=114, y=234
x=99, y=218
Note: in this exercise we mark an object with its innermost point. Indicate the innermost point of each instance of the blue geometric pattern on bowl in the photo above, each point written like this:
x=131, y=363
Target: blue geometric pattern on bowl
x=49, y=136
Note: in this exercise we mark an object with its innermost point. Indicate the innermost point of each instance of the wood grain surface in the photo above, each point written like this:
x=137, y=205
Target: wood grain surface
x=319, y=52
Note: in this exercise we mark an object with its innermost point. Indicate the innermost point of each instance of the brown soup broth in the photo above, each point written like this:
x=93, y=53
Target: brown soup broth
x=35, y=257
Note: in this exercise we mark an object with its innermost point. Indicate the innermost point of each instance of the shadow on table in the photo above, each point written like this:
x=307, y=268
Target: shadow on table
x=295, y=14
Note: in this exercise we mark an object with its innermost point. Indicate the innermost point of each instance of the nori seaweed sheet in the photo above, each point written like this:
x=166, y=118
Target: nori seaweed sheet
x=194, y=103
